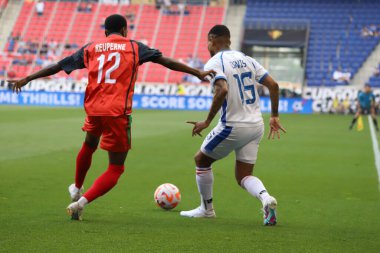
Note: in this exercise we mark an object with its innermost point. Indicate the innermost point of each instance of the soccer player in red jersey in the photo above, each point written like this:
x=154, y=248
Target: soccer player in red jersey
x=112, y=64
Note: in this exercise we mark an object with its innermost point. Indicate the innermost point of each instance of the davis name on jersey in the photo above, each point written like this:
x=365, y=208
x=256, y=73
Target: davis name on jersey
x=242, y=73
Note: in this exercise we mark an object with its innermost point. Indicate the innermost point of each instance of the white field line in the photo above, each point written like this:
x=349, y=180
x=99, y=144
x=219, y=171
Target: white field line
x=375, y=145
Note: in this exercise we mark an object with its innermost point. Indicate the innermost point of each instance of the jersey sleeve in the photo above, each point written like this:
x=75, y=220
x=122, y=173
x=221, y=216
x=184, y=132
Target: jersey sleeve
x=147, y=54
x=216, y=64
x=74, y=61
x=261, y=72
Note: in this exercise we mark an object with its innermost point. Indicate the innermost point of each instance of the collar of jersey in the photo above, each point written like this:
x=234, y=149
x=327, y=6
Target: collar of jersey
x=115, y=33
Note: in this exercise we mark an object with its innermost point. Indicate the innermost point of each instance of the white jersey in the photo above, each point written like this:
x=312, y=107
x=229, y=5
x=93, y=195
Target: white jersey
x=242, y=73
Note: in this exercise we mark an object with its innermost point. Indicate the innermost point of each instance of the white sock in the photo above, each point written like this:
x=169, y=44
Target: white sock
x=205, y=181
x=82, y=201
x=255, y=187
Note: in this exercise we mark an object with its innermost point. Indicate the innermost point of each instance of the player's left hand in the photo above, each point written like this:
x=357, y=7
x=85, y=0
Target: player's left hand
x=206, y=75
x=18, y=84
x=275, y=128
x=198, y=127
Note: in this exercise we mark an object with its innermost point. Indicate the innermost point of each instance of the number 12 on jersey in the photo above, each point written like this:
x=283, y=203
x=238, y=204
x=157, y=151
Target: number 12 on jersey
x=115, y=66
x=250, y=87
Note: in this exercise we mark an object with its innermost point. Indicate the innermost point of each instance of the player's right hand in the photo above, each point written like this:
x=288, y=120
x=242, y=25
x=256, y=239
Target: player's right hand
x=275, y=127
x=18, y=84
x=198, y=127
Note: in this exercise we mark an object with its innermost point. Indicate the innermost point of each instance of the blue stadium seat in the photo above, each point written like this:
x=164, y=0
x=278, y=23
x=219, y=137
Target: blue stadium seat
x=335, y=26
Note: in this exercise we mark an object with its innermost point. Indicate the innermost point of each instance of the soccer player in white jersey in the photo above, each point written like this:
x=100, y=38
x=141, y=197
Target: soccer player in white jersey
x=241, y=125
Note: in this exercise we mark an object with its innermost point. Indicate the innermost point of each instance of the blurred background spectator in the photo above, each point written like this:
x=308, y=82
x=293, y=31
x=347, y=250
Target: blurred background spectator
x=196, y=63
x=181, y=89
x=130, y=16
x=341, y=76
x=377, y=71
x=3, y=72
x=371, y=31
x=85, y=7
x=40, y=6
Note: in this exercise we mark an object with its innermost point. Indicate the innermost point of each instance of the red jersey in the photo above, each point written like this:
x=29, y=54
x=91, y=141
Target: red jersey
x=112, y=64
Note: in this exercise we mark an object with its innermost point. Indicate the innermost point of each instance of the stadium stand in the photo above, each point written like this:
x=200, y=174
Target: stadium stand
x=374, y=80
x=66, y=27
x=3, y=4
x=335, y=40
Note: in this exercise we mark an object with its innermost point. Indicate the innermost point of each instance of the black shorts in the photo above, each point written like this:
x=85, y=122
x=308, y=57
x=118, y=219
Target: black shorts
x=366, y=110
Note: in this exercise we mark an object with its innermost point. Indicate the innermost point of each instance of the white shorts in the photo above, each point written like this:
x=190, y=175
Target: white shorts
x=244, y=140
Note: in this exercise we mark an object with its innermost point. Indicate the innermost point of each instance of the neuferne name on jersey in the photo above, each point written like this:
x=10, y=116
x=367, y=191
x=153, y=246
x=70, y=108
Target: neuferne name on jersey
x=103, y=47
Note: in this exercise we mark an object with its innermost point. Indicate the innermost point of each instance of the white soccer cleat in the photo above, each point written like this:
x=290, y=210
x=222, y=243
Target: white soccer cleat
x=270, y=216
x=75, y=194
x=199, y=213
x=75, y=211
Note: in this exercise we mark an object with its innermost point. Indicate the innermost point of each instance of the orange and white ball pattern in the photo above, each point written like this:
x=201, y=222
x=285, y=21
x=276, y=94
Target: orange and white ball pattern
x=167, y=196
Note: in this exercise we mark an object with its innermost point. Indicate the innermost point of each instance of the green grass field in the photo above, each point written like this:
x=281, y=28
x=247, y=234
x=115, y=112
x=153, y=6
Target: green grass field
x=322, y=175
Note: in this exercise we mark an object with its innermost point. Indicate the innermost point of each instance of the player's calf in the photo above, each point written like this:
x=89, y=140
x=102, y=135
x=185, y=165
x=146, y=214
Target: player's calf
x=105, y=182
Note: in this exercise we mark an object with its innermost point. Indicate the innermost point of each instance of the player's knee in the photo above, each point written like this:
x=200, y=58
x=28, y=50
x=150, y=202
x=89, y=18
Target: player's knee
x=197, y=158
x=92, y=141
x=202, y=160
x=117, y=158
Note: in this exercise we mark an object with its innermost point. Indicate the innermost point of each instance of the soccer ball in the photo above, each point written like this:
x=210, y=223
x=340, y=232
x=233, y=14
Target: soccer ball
x=167, y=196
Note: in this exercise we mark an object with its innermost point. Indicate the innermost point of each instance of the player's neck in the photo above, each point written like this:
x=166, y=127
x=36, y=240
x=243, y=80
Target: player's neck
x=226, y=48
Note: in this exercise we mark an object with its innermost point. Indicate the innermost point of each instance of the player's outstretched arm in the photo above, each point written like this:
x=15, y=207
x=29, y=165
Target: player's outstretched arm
x=220, y=93
x=178, y=66
x=47, y=71
x=274, y=122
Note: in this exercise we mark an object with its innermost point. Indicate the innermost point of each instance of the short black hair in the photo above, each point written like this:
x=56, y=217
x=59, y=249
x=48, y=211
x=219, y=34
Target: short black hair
x=115, y=23
x=367, y=85
x=220, y=30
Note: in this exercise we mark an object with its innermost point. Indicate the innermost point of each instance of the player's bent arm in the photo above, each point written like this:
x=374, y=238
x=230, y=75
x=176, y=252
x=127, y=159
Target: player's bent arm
x=178, y=66
x=273, y=88
x=47, y=71
x=220, y=93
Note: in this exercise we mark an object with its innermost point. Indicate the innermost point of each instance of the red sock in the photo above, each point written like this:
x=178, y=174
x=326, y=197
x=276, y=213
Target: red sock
x=83, y=164
x=105, y=182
